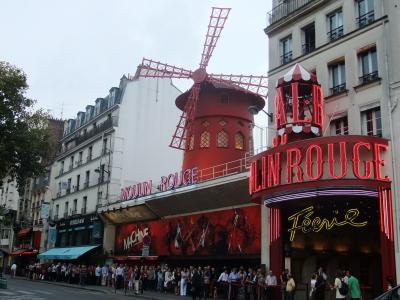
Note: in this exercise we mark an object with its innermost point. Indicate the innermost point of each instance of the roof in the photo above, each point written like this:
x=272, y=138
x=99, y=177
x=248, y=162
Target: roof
x=66, y=253
x=297, y=73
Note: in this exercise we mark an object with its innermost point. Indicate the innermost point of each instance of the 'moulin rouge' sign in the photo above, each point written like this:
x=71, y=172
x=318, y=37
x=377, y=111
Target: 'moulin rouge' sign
x=325, y=158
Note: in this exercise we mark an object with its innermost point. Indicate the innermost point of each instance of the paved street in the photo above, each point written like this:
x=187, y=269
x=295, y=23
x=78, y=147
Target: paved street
x=22, y=289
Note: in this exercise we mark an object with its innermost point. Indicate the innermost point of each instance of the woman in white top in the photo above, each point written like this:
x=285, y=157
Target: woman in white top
x=312, y=285
x=184, y=278
x=337, y=285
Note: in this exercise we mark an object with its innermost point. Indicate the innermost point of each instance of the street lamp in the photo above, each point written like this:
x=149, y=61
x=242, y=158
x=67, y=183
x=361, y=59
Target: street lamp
x=254, y=110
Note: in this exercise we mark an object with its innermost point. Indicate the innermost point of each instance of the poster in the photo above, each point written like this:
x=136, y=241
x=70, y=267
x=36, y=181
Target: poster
x=223, y=233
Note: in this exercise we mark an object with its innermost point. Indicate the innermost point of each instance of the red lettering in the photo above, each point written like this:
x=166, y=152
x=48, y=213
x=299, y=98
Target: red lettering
x=171, y=183
x=187, y=177
x=318, y=113
x=291, y=164
x=356, y=161
x=378, y=162
x=280, y=112
x=274, y=169
x=309, y=162
x=343, y=160
x=147, y=187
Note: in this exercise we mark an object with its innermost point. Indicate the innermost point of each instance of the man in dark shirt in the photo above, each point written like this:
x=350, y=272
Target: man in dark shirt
x=196, y=284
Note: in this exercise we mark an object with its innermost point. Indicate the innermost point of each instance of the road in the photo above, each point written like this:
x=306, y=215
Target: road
x=27, y=290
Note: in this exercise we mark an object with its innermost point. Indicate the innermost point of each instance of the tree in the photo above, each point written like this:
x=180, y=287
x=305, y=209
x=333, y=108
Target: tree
x=25, y=137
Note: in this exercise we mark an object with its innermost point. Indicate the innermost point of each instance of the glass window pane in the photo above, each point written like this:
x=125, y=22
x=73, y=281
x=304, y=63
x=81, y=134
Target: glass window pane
x=342, y=74
x=374, y=61
x=378, y=122
x=365, y=64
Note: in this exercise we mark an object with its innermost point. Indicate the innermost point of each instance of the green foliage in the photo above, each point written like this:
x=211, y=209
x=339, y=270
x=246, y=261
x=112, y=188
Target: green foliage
x=25, y=137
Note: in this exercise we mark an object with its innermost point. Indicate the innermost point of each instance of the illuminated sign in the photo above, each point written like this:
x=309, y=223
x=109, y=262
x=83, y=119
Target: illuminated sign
x=340, y=157
x=173, y=180
x=306, y=222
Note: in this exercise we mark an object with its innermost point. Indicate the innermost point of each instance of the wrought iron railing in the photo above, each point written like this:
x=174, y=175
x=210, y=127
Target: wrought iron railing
x=365, y=19
x=337, y=89
x=308, y=48
x=284, y=9
x=335, y=34
x=286, y=57
x=369, y=77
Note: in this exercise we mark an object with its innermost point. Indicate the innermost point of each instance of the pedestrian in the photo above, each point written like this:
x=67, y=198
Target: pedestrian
x=320, y=285
x=14, y=270
x=271, y=284
x=98, y=275
x=354, y=287
x=337, y=286
x=290, y=287
x=184, y=278
x=119, y=272
x=196, y=285
x=104, y=275
x=83, y=275
x=136, y=279
x=284, y=280
x=206, y=282
x=313, y=281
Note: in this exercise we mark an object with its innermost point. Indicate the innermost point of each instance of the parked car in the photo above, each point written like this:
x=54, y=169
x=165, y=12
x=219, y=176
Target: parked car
x=393, y=294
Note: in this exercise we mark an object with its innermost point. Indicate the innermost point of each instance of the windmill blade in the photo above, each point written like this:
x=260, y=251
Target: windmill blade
x=217, y=22
x=184, y=128
x=254, y=84
x=151, y=68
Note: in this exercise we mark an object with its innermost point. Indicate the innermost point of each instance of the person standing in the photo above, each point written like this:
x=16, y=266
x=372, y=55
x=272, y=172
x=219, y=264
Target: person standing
x=290, y=287
x=313, y=281
x=104, y=273
x=354, y=287
x=97, y=273
x=14, y=270
x=337, y=286
x=83, y=275
x=284, y=280
x=271, y=284
x=196, y=284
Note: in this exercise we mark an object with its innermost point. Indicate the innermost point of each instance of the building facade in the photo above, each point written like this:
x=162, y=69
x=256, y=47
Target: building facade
x=351, y=47
x=103, y=149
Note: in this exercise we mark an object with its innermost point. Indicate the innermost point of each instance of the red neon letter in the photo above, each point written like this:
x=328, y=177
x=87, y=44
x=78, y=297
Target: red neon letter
x=274, y=169
x=280, y=112
x=356, y=161
x=343, y=160
x=254, y=182
x=309, y=162
x=318, y=106
x=378, y=162
x=290, y=164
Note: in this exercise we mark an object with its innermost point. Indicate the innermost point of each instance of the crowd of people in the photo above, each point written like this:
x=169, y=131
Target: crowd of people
x=198, y=282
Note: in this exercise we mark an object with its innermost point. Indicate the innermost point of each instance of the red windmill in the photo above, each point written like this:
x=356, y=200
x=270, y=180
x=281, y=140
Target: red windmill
x=198, y=102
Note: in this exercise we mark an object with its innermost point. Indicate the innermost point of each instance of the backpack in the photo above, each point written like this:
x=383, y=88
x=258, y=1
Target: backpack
x=344, y=288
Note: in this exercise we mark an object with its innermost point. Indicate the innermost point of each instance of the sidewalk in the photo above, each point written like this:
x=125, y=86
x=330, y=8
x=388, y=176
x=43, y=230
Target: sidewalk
x=107, y=290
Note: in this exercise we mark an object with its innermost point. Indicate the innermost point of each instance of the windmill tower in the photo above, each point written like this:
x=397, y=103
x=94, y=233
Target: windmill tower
x=215, y=126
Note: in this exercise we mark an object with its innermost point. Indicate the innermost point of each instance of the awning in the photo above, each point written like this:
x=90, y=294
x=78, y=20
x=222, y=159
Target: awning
x=66, y=253
x=24, y=232
x=20, y=252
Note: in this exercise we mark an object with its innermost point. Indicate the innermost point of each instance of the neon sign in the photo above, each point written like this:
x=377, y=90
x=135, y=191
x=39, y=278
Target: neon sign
x=173, y=180
x=304, y=221
x=341, y=157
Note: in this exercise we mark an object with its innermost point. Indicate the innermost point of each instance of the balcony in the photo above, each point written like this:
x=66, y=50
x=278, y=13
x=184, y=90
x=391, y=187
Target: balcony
x=86, y=185
x=88, y=158
x=340, y=88
x=65, y=215
x=77, y=188
x=284, y=9
x=61, y=171
x=74, y=212
x=335, y=34
x=98, y=129
x=79, y=162
x=68, y=190
x=308, y=48
x=58, y=194
x=366, y=19
x=286, y=57
x=371, y=77
x=70, y=167
x=83, y=210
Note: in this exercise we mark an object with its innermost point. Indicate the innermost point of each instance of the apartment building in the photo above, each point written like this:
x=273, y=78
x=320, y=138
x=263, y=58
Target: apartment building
x=113, y=143
x=351, y=46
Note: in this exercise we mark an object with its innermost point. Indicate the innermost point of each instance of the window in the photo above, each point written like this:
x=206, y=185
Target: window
x=78, y=182
x=308, y=38
x=286, y=49
x=239, y=141
x=66, y=209
x=62, y=167
x=59, y=189
x=75, y=206
x=222, y=139
x=205, y=139
x=69, y=185
x=335, y=24
x=57, y=210
x=337, y=78
x=104, y=150
x=340, y=126
x=80, y=158
x=371, y=122
x=71, y=165
x=101, y=173
x=369, y=66
x=191, y=143
x=366, y=12
x=84, y=205
x=90, y=151
x=86, y=184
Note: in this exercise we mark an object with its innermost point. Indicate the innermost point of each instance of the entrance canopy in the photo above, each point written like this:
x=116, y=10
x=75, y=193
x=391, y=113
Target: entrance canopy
x=66, y=253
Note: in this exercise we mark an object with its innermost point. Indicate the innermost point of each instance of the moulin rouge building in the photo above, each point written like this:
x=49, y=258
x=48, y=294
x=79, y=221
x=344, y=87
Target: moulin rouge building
x=329, y=198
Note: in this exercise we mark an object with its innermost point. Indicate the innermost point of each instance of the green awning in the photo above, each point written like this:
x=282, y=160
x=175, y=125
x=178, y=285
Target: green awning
x=66, y=253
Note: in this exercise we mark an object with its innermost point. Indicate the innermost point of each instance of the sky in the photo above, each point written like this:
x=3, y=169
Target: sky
x=74, y=51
